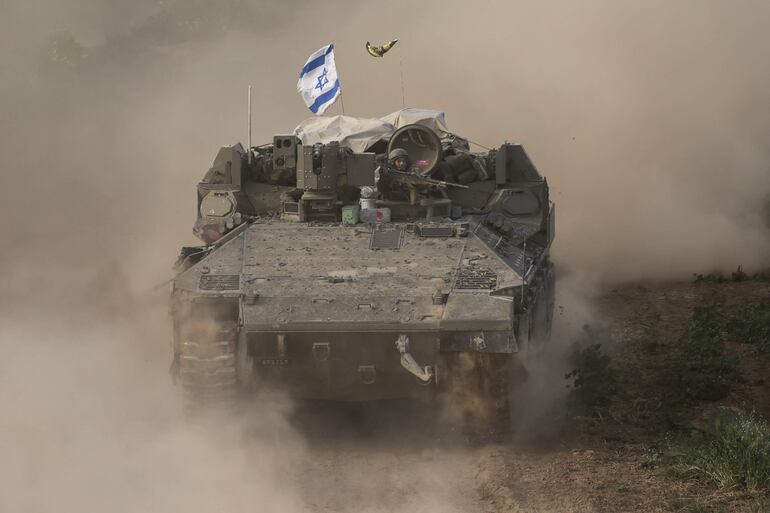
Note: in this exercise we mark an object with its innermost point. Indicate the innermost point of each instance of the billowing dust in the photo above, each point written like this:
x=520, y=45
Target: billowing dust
x=649, y=121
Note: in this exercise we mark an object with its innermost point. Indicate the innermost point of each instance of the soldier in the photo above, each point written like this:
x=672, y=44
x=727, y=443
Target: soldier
x=388, y=188
x=391, y=189
x=398, y=159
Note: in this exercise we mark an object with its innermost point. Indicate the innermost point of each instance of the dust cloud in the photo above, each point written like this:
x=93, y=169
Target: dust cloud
x=88, y=424
x=649, y=121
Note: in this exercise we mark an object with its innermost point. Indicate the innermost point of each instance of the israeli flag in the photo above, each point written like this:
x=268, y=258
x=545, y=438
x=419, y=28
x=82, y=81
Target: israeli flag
x=318, y=83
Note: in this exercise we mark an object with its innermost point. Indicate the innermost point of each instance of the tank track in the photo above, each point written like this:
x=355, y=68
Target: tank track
x=481, y=390
x=494, y=379
x=207, y=366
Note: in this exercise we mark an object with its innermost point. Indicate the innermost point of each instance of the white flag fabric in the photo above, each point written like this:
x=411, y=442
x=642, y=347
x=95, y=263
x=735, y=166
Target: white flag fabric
x=318, y=83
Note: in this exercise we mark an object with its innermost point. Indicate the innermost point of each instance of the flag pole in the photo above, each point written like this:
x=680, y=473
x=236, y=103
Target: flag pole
x=342, y=102
x=403, y=94
x=248, y=149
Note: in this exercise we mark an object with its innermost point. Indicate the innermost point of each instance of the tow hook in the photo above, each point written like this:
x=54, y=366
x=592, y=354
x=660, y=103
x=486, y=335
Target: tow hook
x=424, y=374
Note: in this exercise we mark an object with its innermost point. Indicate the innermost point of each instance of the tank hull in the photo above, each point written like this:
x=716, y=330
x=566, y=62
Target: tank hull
x=445, y=293
x=341, y=365
x=336, y=342
x=360, y=365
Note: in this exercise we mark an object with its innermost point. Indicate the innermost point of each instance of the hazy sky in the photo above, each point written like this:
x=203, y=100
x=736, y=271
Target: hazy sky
x=649, y=119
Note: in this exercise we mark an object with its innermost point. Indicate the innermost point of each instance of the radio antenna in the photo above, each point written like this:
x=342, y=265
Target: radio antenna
x=248, y=148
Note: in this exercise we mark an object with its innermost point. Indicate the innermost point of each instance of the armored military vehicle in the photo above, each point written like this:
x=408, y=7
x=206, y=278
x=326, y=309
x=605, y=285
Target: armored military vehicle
x=316, y=278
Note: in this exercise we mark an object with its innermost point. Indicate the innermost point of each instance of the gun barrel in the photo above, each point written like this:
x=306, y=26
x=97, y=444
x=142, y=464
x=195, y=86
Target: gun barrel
x=449, y=184
x=416, y=179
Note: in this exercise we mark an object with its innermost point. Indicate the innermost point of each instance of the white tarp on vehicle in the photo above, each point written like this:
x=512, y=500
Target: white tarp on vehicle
x=354, y=133
x=433, y=119
x=358, y=134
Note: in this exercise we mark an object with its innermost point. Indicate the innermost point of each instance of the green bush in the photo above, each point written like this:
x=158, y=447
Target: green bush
x=704, y=369
x=594, y=381
x=738, y=275
x=750, y=324
x=762, y=275
x=732, y=453
x=716, y=277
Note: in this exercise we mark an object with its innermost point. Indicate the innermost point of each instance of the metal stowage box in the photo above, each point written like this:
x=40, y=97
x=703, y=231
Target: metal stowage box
x=318, y=168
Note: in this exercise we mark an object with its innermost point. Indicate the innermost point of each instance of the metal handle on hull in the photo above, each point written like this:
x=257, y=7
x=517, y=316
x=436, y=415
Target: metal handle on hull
x=424, y=374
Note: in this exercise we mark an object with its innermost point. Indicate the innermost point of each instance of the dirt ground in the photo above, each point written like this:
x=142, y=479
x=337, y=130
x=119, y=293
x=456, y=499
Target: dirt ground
x=582, y=465
x=111, y=436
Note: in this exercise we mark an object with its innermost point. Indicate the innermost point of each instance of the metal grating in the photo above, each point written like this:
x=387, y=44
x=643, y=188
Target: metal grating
x=386, y=239
x=519, y=260
x=437, y=231
x=476, y=278
x=522, y=262
x=219, y=282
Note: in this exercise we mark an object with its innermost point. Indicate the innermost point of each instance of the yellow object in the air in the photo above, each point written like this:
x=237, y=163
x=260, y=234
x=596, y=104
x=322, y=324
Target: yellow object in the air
x=379, y=51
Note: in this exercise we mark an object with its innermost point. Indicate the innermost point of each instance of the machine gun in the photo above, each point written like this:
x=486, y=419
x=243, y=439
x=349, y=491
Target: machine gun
x=424, y=149
x=415, y=180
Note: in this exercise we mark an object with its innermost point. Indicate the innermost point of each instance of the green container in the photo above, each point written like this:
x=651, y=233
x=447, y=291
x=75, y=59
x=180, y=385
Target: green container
x=350, y=214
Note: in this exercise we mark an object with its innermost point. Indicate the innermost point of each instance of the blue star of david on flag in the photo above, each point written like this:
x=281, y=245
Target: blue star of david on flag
x=322, y=80
x=318, y=83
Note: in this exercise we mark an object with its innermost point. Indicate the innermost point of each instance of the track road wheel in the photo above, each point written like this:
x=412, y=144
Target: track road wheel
x=207, y=366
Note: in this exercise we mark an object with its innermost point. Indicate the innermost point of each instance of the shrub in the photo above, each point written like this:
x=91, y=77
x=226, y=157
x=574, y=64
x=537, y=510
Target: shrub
x=716, y=277
x=734, y=452
x=704, y=369
x=594, y=381
x=750, y=324
x=762, y=275
x=737, y=276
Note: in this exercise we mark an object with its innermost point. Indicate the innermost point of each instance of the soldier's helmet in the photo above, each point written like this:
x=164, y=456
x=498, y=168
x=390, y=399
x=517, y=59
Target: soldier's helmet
x=398, y=153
